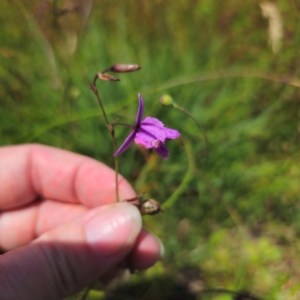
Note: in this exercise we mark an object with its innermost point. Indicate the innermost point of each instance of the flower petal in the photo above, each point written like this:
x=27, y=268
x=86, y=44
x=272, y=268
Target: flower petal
x=172, y=134
x=162, y=150
x=153, y=121
x=145, y=139
x=127, y=143
x=149, y=135
x=140, y=111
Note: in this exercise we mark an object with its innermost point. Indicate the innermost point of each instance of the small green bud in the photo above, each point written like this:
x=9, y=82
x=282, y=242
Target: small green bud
x=166, y=100
x=74, y=92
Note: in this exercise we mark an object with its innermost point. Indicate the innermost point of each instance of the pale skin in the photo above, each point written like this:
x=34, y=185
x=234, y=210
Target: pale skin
x=60, y=226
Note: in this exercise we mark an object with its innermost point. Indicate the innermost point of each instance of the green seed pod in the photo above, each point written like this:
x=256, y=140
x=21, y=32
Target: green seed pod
x=124, y=68
x=166, y=100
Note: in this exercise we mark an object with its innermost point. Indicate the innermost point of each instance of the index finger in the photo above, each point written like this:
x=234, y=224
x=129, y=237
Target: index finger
x=31, y=171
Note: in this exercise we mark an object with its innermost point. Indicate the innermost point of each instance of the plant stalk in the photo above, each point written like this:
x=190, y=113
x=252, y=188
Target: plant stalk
x=197, y=123
x=112, y=134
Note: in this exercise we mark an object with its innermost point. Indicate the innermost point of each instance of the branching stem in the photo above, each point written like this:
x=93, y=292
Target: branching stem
x=123, y=124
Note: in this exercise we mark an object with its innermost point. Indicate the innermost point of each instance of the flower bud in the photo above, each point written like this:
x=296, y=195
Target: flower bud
x=149, y=207
x=166, y=100
x=107, y=77
x=124, y=68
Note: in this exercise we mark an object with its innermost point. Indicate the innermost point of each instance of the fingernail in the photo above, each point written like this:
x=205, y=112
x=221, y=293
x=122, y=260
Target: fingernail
x=113, y=228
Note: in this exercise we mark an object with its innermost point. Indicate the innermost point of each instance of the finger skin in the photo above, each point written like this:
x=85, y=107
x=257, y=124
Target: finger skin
x=73, y=255
x=146, y=252
x=18, y=227
x=77, y=184
x=29, y=171
x=75, y=181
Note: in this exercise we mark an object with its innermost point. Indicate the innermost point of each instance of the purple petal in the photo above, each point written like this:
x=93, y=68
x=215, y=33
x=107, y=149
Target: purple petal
x=162, y=150
x=127, y=143
x=149, y=135
x=140, y=111
x=172, y=134
x=158, y=133
x=153, y=121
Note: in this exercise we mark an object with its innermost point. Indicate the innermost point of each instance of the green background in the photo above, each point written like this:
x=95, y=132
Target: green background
x=234, y=222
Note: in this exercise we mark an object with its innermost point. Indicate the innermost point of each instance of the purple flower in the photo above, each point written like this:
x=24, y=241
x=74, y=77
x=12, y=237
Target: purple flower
x=150, y=133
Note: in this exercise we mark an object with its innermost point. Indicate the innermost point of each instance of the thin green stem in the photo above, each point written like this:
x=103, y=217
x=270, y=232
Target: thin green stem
x=112, y=134
x=123, y=124
x=95, y=90
x=116, y=164
x=186, y=179
x=86, y=292
x=197, y=123
x=286, y=79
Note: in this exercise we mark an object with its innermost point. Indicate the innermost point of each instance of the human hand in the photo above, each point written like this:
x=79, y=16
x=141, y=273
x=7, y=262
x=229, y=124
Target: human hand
x=57, y=247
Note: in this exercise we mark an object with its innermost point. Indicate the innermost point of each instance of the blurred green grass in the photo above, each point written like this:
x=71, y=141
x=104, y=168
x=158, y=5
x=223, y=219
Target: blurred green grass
x=236, y=221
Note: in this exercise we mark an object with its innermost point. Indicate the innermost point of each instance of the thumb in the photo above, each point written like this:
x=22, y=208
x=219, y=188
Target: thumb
x=68, y=258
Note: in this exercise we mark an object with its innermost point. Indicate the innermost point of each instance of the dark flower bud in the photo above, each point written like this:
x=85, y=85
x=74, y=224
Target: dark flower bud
x=107, y=77
x=146, y=206
x=124, y=68
x=149, y=207
x=166, y=100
